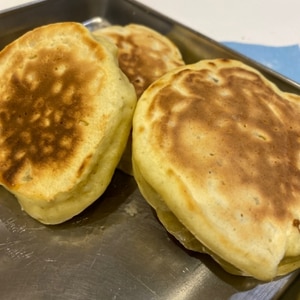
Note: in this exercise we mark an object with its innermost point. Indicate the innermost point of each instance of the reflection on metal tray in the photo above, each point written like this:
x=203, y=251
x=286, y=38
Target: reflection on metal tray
x=116, y=249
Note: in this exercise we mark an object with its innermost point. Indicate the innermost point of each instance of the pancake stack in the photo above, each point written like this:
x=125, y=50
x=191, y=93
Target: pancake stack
x=144, y=56
x=65, y=116
x=216, y=153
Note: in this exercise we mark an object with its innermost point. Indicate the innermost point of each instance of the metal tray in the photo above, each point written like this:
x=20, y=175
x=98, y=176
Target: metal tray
x=116, y=249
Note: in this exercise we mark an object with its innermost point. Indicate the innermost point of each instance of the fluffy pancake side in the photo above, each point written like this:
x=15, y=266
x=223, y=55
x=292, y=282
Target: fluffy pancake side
x=65, y=116
x=216, y=146
x=144, y=56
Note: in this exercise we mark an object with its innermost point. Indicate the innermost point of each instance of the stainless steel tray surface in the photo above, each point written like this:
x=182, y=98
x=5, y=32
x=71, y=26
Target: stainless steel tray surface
x=116, y=249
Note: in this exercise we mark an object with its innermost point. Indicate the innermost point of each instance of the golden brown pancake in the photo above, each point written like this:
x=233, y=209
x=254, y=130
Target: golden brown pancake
x=216, y=152
x=65, y=116
x=144, y=56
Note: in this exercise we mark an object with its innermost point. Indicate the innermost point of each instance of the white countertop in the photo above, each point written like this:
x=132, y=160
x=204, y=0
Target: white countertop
x=265, y=30
x=274, y=22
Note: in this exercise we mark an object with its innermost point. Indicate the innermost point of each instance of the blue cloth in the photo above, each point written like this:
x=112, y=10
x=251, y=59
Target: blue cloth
x=284, y=60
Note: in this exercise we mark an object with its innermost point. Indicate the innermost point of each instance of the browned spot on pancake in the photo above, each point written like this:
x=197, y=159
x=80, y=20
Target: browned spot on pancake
x=211, y=63
x=41, y=110
x=296, y=223
x=141, y=129
x=143, y=58
x=230, y=129
x=83, y=165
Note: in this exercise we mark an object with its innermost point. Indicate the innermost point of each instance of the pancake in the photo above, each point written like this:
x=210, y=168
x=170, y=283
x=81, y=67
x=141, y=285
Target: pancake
x=216, y=153
x=65, y=115
x=144, y=56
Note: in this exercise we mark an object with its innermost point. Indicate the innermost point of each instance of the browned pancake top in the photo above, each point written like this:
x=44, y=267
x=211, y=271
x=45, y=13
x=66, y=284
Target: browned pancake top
x=144, y=55
x=44, y=104
x=230, y=129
